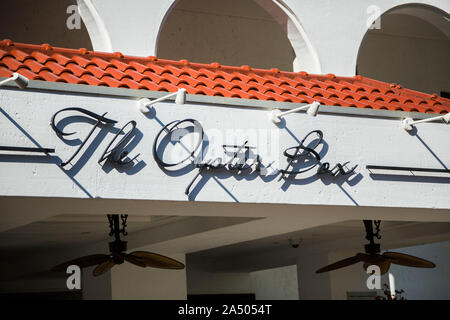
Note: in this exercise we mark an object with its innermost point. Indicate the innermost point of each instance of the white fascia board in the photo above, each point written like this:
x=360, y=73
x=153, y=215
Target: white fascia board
x=69, y=88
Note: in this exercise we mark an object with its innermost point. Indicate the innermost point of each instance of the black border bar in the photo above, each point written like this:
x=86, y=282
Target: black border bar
x=407, y=169
x=26, y=149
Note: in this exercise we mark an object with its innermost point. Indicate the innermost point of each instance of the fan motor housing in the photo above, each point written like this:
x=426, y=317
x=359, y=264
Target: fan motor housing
x=372, y=248
x=118, y=246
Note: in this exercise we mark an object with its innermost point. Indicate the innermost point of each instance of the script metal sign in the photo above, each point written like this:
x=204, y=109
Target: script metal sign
x=115, y=151
x=240, y=160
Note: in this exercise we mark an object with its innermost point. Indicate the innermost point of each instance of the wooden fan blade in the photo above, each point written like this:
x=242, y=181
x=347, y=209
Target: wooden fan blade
x=131, y=259
x=371, y=258
x=384, y=266
x=103, y=267
x=156, y=260
x=340, y=264
x=82, y=262
x=134, y=260
x=407, y=260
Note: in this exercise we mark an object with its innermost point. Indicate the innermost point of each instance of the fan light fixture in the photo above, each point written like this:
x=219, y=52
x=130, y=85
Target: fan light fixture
x=118, y=253
x=20, y=80
x=372, y=255
x=145, y=103
x=311, y=109
x=409, y=123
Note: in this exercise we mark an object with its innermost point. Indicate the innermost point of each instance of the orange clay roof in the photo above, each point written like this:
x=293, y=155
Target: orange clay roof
x=47, y=63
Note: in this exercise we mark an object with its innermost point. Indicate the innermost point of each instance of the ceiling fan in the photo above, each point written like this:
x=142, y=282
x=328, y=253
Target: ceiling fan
x=372, y=255
x=118, y=255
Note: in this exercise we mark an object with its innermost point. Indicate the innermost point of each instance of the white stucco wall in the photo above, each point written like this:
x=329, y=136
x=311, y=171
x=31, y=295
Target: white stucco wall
x=95, y=288
x=129, y=282
x=360, y=140
x=55, y=22
x=270, y=284
x=313, y=286
x=325, y=35
x=408, y=51
x=418, y=283
x=333, y=31
x=211, y=282
x=238, y=32
x=275, y=284
x=338, y=39
x=428, y=284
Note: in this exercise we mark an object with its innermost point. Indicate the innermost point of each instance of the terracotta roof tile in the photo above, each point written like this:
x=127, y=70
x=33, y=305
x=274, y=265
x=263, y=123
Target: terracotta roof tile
x=132, y=84
x=25, y=71
x=50, y=76
x=150, y=85
x=153, y=77
x=210, y=74
x=136, y=76
x=56, y=67
x=206, y=81
x=193, y=73
x=96, y=71
x=111, y=82
x=35, y=66
x=41, y=57
x=44, y=62
x=4, y=53
x=157, y=69
x=19, y=55
x=168, y=86
x=121, y=65
x=70, y=78
x=61, y=59
x=117, y=74
x=207, y=91
x=5, y=72
x=11, y=63
x=93, y=81
x=82, y=62
x=139, y=67
x=176, y=71
x=77, y=70
x=192, y=81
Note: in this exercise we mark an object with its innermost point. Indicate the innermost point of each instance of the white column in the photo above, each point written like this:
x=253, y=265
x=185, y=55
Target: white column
x=132, y=282
x=130, y=27
x=95, y=288
x=311, y=285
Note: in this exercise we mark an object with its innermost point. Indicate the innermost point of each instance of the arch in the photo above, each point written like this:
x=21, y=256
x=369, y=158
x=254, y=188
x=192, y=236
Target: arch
x=426, y=12
x=94, y=24
x=56, y=23
x=410, y=46
x=421, y=10
x=304, y=56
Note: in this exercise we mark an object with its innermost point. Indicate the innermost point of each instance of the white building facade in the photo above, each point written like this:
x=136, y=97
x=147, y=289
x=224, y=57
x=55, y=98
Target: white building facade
x=248, y=230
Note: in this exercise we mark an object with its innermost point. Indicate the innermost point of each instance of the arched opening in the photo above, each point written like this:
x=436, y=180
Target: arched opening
x=257, y=33
x=410, y=48
x=51, y=21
